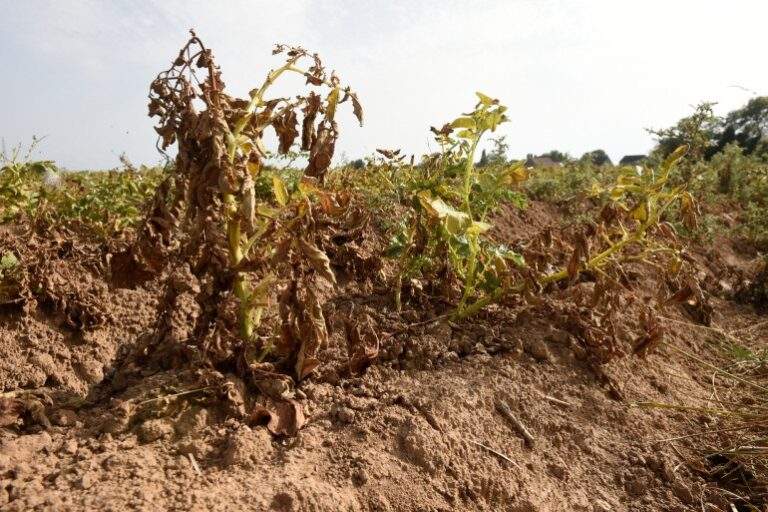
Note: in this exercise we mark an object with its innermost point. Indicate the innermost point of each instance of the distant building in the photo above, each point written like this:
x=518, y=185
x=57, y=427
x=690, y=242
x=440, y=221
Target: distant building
x=541, y=161
x=633, y=159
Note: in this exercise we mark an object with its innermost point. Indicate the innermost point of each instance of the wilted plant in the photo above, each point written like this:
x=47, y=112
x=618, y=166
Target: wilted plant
x=636, y=206
x=208, y=213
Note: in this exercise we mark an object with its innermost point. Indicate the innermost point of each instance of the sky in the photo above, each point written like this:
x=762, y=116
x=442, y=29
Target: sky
x=577, y=75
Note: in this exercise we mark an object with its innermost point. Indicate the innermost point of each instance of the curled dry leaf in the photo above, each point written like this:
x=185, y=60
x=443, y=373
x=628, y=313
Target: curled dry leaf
x=579, y=255
x=362, y=343
x=284, y=418
x=315, y=336
x=318, y=260
x=310, y=110
x=653, y=334
x=303, y=329
x=285, y=127
x=357, y=108
x=321, y=152
x=11, y=410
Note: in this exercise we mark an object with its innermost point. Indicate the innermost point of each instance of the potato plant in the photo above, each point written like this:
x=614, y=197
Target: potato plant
x=447, y=238
x=451, y=201
x=635, y=210
x=208, y=213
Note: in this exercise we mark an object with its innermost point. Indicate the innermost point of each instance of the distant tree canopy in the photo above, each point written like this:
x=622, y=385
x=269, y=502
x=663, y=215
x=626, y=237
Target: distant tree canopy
x=498, y=153
x=557, y=156
x=747, y=127
x=597, y=157
x=707, y=134
x=483, y=159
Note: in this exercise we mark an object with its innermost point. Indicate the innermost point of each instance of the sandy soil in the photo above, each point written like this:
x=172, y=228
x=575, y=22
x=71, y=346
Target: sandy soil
x=421, y=430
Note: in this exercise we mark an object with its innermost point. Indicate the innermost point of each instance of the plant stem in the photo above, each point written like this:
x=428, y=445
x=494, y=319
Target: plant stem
x=248, y=316
x=469, y=171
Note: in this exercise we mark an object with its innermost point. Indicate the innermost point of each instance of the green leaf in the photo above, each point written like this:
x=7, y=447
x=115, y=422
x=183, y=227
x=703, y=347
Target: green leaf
x=8, y=261
x=518, y=259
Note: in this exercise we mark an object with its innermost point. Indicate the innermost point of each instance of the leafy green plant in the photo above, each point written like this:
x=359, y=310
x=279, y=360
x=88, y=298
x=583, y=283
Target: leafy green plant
x=21, y=180
x=451, y=201
x=9, y=278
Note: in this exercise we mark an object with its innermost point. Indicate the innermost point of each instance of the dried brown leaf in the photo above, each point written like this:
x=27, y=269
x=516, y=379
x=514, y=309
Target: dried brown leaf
x=321, y=152
x=284, y=418
x=318, y=260
x=285, y=127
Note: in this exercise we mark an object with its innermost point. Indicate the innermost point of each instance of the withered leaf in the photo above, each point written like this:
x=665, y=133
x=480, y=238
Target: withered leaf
x=580, y=253
x=284, y=418
x=310, y=110
x=285, y=127
x=11, y=410
x=654, y=333
x=321, y=152
x=682, y=295
x=362, y=343
x=446, y=130
x=318, y=260
x=357, y=108
x=689, y=210
x=313, y=79
x=389, y=153
x=313, y=335
x=248, y=204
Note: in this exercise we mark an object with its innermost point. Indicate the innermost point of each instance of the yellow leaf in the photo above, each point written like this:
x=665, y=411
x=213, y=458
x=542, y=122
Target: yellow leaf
x=640, y=213
x=281, y=193
x=464, y=122
x=486, y=100
x=333, y=100
x=253, y=168
x=478, y=227
x=672, y=159
x=617, y=192
x=516, y=174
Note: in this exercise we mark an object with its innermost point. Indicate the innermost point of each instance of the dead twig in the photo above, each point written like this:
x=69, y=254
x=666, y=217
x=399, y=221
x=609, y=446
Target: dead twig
x=505, y=411
x=719, y=370
x=556, y=400
x=194, y=463
x=408, y=327
x=496, y=453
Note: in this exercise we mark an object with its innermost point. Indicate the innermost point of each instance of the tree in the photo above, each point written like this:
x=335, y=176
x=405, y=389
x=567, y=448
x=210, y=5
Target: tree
x=483, y=159
x=557, y=156
x=747, y=127
x=597, y=157
x=708, y=135
x=500, y=147
x=698, y=131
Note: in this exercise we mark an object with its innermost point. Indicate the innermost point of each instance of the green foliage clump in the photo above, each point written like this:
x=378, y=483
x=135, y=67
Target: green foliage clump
x=102, y=202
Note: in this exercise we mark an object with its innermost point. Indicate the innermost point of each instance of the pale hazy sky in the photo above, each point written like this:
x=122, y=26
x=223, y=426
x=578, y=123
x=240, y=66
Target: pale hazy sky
x=576, y=74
